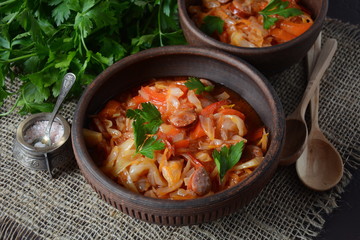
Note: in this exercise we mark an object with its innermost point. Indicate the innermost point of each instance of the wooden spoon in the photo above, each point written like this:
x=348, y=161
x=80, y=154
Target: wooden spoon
x=296, y=128
x=308, y=171
x=320, y=167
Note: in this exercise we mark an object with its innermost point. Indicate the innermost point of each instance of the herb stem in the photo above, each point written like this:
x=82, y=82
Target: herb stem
x=19, y=58
x=26, y=47
x=83, y=43
x=159, y=24
x=7, y=2
x=12, y=18
x=11, y=109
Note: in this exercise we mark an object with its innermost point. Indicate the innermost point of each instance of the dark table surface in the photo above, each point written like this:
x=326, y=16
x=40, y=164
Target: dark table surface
x=344, y=221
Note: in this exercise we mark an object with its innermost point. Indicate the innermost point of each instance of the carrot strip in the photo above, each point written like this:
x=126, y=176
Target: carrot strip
x=198, y=131
x=224, y=37
x=294, y=28
x=256, y=135
x=229, y=111
x=196, y=163
x=186, y=197
x=281, y=35
x=182, y=143
x=173, y=131
x=210, y=109
x=112, y=107
x=155, y=95
x=161, y=135
x=138, y=100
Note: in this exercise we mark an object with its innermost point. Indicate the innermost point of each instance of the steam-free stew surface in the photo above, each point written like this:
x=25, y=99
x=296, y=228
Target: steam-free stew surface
x=252, y=23
x=177, y=138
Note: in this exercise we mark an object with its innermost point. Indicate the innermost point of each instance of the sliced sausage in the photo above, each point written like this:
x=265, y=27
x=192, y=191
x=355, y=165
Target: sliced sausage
x=183, y=118
x=200, y=181
x=252, y=151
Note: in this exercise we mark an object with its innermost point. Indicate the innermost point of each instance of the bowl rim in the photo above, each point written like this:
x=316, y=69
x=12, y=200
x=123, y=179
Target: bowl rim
x=270, y=159
x=186, y=20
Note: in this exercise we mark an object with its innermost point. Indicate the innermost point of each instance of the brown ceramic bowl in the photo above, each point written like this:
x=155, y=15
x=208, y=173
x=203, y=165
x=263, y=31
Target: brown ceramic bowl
x=169, y=62
x=268, y=60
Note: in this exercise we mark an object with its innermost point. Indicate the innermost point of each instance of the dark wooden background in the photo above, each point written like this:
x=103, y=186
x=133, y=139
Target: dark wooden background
x=344, y=222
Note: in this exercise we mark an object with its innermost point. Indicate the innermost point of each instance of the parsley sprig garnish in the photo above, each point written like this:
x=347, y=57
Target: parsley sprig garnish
x=227, y=157
x=146, y=123
x=40, y=41
x=278, y=7
x=212, y=24
x=195, y=84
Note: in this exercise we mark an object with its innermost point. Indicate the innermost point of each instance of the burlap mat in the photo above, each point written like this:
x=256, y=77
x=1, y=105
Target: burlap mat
x=33, y=207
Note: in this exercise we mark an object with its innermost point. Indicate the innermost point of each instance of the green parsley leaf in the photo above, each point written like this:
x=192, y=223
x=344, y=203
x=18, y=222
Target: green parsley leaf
x=146, y=123
x=227, y=157
x=148, y=115
x=60, y=13
x=212, y=24
x=269, y=21
x=31, y=100
x=31, y=24
x=3, y=93
x=277, y=7
x=150, y=145
x=195, y=84
x=112, y=48
x=139, y=132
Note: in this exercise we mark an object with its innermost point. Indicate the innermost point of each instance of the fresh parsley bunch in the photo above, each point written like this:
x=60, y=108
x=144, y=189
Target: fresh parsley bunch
x=41, y=40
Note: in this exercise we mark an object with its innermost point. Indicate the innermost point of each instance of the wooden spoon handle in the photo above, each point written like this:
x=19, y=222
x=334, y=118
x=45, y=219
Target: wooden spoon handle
x=314, y=104
x=321, y=65
x=315, y=109
x=313, y=55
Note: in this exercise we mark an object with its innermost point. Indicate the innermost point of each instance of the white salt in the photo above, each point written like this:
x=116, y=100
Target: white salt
x=37, y=130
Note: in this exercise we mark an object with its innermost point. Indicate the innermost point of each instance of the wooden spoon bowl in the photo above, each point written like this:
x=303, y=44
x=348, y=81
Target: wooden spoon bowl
x=320, y=167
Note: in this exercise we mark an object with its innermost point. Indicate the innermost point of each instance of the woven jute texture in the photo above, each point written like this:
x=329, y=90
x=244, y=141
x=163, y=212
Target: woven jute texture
x=34, y=207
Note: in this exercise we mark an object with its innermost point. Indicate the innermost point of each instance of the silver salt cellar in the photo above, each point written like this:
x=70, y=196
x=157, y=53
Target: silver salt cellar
x=47, y=157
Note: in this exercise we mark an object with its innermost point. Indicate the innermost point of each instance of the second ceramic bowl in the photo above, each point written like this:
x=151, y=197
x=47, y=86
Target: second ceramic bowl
x=268, y=60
